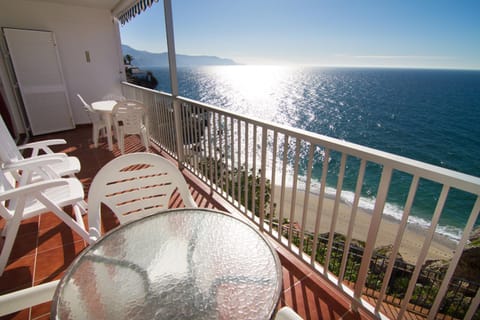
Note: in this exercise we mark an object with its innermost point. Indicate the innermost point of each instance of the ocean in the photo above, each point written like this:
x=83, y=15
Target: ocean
x=427, y=115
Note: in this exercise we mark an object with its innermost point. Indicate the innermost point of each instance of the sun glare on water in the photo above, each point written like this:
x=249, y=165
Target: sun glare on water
x=252, y=90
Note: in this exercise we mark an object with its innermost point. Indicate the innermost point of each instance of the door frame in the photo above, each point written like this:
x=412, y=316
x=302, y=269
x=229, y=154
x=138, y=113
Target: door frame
x=22, y=111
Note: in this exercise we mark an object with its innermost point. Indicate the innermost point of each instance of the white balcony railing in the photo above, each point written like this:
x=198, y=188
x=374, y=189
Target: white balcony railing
x=279, y=177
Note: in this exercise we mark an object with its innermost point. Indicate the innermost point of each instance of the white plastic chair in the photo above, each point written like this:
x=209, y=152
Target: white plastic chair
x=99, y=127
x=130, y=117
x=287, y=313
x=26, y=298
x=38, y=198
x=11, y=156
x=114, y=96
x=134, y=186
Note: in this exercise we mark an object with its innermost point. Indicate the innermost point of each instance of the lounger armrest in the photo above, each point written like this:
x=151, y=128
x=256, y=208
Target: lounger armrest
x=24, y=170
x=42, y=160
x=29, y=189
x=43, y=145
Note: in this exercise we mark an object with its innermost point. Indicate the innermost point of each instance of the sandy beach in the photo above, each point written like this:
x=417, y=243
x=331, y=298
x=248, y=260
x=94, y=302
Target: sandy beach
x=413, y=239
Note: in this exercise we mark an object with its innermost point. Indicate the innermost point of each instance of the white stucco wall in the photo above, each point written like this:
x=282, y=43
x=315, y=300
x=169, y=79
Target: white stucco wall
x=77, y=29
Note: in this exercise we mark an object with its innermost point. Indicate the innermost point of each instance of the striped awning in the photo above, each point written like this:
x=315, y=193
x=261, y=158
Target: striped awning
x=137, y=8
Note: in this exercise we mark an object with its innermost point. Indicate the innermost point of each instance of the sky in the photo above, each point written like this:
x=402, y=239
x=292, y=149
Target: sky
x=373, y=33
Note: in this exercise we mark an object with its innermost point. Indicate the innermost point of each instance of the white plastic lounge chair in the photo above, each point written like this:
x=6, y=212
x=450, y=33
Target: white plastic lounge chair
x=10, y=155
x=134, y=186
x=130, y=117
x=99, y=127
x=38, y=198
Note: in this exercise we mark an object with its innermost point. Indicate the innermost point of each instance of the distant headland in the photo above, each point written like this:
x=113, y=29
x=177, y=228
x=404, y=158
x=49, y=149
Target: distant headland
x=149, y=59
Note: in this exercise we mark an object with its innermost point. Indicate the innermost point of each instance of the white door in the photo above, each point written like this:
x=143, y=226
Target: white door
x=40, y=79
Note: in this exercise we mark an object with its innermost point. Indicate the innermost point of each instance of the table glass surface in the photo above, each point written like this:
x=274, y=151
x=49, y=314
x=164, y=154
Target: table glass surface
x=180, y=264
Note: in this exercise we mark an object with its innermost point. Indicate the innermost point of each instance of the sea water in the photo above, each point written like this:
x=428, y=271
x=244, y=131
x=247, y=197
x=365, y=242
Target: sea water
x=427, y=115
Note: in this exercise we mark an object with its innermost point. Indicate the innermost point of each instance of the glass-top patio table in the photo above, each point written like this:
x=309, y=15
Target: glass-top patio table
x=178, y=264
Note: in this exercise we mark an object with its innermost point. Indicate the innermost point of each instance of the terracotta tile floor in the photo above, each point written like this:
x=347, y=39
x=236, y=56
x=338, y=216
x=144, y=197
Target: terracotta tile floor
x=45, y=246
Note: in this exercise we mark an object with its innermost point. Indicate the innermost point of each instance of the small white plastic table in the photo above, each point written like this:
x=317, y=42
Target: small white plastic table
x=178, y=264
x=105, y=107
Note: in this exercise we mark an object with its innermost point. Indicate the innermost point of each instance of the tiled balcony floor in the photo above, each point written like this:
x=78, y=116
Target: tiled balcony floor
x=45, y=246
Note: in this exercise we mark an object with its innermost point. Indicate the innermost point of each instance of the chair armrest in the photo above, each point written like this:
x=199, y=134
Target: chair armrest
x=42, y=146
x=29, y=189
x=42, y=160
x=25, y=298
x=24, y=170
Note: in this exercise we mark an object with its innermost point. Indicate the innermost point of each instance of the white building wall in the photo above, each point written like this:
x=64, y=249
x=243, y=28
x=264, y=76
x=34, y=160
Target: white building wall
x=77, y=30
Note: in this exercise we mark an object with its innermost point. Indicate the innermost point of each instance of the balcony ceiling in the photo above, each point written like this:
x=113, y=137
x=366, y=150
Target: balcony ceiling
x=100, y=4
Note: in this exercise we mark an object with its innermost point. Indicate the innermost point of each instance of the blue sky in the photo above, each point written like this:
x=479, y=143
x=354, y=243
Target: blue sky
x=384, y=33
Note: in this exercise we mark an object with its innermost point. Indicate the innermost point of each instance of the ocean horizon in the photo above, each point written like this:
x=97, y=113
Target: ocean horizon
x=429, y=115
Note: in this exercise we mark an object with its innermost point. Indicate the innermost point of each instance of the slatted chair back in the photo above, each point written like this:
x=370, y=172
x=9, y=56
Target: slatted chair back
x=134, y=186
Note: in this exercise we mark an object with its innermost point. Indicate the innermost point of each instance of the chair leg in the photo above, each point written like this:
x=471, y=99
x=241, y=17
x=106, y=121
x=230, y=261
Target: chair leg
x=79, y=211
x=119, y=144
x=3, y=233
x=145, y=141
x=83, y=207
x=75, y=225
x=10, y=235
x=121, y=141
x=114, y=132
x=95, y=136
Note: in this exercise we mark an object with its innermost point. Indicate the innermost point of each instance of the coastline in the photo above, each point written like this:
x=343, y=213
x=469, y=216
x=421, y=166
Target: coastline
x=441, y=247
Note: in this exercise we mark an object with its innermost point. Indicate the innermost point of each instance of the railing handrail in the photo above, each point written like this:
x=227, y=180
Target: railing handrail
x=146, y=89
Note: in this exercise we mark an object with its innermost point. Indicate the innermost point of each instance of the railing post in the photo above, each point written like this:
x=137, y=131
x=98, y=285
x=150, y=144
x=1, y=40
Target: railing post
x=372, y=234
x=172, y=64
x=177, y=117
x=263, y=178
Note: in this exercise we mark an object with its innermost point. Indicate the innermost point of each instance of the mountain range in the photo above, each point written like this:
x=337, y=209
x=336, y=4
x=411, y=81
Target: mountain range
x=149, y=59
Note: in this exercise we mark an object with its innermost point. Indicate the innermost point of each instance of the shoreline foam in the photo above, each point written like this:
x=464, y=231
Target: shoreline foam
x=391, y=211
x=412, y=241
